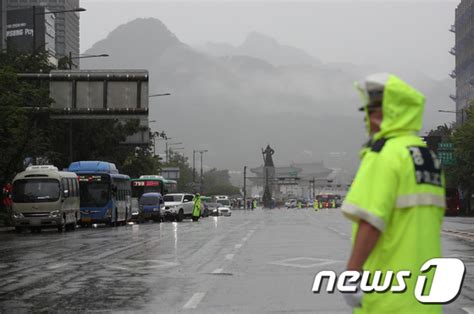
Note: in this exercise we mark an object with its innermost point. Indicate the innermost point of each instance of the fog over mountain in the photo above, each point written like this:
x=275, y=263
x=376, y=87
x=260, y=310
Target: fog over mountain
x=234, y=100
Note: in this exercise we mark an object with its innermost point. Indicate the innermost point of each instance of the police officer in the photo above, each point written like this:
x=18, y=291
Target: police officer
x=397, y=199
x=254, y=204
x=197, y=207
x=315, y=204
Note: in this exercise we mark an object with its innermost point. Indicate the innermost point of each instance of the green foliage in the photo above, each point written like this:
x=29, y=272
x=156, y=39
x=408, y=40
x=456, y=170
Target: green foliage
x=186, y=172
x=26, y=129
x=21, y=126
x=463, y=139
x=217, y=182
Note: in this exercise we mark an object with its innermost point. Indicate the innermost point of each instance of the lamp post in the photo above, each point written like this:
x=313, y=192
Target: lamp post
x=456, y=112
x=245, y=187
x=103, y=55
x=201, y=179
x=158, y=95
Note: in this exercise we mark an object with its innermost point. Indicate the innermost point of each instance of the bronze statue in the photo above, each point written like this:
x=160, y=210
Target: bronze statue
x=269, y=174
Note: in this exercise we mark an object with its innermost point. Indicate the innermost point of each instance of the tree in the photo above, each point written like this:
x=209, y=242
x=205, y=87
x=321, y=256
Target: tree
x=22, y=124
x=463, y=139
x=27, y=130
x=185, y=182
x=217, y=182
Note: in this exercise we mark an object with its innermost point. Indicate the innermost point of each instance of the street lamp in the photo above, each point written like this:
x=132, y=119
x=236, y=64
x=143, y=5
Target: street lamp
x=84, y=57
x=456, y=112
x=158, y=95
x=167, y=150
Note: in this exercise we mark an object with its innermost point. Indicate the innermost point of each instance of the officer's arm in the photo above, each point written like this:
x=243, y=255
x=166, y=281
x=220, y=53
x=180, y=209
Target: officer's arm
x=366, y=238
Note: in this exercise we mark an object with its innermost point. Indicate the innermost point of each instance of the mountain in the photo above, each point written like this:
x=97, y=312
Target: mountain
x=263, y=47
x=258, y=93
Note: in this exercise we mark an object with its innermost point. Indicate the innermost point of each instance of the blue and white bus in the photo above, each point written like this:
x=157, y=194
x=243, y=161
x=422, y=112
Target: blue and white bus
x=105, y=193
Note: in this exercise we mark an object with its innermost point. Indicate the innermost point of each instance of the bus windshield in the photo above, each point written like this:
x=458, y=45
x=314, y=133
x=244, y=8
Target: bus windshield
x=95, y=191
x=36, y=190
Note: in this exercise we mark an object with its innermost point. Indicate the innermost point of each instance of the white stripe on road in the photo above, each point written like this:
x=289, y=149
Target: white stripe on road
x=244, y=239
x=238, y=246
x=195, y=300
x=229, y=256
x=217, y=271
x=469, y=310
x=55, y=266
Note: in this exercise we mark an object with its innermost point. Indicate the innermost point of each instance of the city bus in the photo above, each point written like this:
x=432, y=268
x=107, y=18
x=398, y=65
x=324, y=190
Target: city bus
x=105, y=194
x=171, y=186
x=146, y=184
x=44, y=197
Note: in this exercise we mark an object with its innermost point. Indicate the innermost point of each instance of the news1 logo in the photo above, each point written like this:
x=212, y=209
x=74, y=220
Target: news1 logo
x=445, y=286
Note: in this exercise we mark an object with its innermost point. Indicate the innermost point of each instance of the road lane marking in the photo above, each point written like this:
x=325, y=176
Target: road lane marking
x=56, y=266
x=238, y=246
x=217, y=271
x=337, y=231
x=229, y=256
x=244, y=239
x=464, y=236
x=306, y=262
x=469, y=310
x=194, y=301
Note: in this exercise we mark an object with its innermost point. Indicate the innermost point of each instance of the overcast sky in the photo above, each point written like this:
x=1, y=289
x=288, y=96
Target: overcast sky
x=395, y=34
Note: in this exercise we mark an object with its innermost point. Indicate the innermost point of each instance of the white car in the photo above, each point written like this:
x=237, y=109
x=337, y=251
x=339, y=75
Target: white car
x=224, y=211
x=177, y=207
x=224, y=208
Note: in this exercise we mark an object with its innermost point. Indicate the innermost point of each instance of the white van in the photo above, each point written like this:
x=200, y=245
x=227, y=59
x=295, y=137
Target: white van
x=44, y=197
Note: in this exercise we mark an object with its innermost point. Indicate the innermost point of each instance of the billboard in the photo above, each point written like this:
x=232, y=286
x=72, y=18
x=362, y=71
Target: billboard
x=22, y=24
x=99, y=94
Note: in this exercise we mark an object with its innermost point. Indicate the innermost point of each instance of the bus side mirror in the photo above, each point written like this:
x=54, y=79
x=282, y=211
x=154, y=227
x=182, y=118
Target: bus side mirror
x=66, y=193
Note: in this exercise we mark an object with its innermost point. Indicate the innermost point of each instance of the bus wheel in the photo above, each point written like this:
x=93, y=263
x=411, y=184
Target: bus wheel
x=116, y=222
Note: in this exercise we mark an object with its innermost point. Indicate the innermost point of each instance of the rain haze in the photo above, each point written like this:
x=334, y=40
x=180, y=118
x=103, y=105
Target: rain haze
x=301, y=60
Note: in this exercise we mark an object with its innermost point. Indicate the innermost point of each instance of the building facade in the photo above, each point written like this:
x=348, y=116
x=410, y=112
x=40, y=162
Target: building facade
x=26, y=33
x=3, y=24
x=464, y=53
x=66, y=24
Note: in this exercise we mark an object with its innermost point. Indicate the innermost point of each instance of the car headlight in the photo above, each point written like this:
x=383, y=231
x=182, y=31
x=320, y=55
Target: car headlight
x=17, y=215
x=54, y=214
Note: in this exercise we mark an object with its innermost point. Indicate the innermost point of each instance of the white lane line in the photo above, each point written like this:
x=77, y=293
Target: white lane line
x=194, y=301
x=229, y=256
x=238, y=246
x=244, y=239
x=217, y=271
x=55, y=266
x=469, y=310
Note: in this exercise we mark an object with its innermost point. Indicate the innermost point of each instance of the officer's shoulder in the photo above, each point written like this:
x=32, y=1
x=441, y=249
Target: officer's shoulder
x=395, y=145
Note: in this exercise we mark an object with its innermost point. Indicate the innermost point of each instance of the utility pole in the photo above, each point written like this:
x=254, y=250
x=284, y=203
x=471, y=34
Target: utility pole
x=200, y=189
x=245, y=187
x=194, y=167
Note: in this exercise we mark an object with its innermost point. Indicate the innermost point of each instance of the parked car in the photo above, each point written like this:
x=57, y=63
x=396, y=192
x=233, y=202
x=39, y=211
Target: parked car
x=177, y=207
x=150, y=207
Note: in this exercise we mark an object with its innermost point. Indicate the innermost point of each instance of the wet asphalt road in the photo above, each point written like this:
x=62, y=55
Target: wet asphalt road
x=253, y=262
